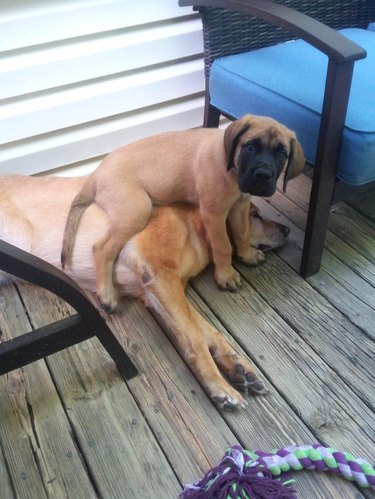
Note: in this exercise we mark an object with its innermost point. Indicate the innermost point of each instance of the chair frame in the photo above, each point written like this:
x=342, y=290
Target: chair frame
x=342, y=54
x=39, y=343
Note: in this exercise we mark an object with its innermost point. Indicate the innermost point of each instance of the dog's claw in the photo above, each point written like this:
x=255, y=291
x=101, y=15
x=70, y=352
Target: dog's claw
x=228, y=280
x=110, y=309
x=230, y=286
x=253, y=258
x=110, y=306
x=227, y=402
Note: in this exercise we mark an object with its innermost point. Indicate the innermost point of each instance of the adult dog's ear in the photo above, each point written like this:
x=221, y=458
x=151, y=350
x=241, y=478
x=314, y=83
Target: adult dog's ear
x=231, y=137
x=296, y=162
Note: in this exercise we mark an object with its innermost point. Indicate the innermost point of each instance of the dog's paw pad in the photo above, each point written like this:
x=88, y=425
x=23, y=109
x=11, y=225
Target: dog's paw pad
x=248, y=381
x=255, y=385
x=238, y=377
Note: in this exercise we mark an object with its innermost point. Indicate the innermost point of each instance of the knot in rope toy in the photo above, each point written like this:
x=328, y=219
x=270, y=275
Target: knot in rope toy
x=244, y=474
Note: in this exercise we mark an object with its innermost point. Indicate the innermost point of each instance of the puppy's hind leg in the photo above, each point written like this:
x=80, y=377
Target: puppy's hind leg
x=127, y=217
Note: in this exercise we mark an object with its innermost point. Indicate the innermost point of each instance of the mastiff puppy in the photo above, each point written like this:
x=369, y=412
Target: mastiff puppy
x=153, y=266
x=213, y=169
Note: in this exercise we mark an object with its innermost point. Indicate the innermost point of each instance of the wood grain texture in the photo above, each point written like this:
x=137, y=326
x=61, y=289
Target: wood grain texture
x=187, y=425
x=322, y=400
x=269, y=422
x=5, y=479
x=349, y=299
x=361, y=265
x=336, y=340
x=119, y=448
x=36, y=437
x=365, y=204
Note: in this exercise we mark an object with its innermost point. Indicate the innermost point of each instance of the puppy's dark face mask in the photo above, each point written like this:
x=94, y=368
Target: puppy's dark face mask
x=259, y=149
x=259, y=165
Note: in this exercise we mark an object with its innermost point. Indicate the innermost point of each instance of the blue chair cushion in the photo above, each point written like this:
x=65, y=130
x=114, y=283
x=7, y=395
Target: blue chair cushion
x=287, y=81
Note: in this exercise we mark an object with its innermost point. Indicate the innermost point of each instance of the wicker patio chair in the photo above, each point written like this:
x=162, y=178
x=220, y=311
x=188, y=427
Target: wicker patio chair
x=246, y=49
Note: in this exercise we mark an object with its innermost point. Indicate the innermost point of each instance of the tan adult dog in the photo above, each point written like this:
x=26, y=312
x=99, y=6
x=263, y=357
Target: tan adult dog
x=153, y=266
x=210, y=168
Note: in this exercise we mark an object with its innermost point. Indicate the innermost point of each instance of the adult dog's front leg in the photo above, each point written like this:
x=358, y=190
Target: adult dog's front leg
x=240, y=223
x=165, y=295
x=236, y=368
x=225, y=275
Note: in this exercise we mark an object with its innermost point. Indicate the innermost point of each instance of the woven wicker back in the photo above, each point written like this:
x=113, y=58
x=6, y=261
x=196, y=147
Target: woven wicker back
x=227, y=32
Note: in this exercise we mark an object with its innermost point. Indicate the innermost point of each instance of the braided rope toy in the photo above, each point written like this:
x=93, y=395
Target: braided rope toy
x=244, y=474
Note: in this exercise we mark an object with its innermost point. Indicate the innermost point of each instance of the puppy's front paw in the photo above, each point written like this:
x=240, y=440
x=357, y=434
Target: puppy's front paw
x=252, y=257
x=228, y=278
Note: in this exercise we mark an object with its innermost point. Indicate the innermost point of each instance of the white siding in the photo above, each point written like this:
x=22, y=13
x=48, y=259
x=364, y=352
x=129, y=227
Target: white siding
x=81, y=77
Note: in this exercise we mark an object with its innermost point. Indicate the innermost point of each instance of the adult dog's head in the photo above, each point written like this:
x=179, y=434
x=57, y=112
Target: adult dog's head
x=259, y=149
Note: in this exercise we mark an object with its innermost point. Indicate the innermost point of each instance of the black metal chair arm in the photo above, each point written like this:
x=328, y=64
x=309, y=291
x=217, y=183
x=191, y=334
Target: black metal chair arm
x=88, y=322
x=26, y=266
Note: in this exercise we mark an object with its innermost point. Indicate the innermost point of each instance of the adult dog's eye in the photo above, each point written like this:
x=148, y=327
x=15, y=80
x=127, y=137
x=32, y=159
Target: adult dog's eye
x=255, y=214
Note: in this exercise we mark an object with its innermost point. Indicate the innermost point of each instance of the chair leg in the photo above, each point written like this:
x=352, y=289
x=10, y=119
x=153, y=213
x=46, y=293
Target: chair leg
x=316, y=226
x=109, y=341
x=330, y=134
x=211, y=114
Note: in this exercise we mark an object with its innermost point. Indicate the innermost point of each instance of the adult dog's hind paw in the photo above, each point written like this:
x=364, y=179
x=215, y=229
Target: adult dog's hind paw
x=247, y=382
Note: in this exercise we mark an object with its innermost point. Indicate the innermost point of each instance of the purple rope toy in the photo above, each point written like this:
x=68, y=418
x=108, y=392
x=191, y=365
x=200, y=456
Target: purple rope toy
x=244, y=474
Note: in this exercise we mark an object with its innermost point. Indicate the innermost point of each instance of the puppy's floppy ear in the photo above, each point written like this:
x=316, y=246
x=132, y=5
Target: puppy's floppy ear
x=231, y=137
x=296, y=162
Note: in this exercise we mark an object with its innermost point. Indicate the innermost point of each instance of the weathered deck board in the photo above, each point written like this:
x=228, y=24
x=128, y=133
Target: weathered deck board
x=70, y=426
x=173, y=403
x=183, y=408
x=35, y=434
x=200, y=421
x=343, y=298
x=364, y=267
x=270, y=422
x=303, y=308
x=365, y=204
x=119, y=448
x=354, y=229
x=7, y=491
x=328, y=407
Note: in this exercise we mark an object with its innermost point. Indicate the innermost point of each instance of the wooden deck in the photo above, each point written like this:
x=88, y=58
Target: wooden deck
x=70, y=427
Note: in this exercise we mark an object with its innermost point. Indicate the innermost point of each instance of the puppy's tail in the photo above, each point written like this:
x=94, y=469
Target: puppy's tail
x=82, y=200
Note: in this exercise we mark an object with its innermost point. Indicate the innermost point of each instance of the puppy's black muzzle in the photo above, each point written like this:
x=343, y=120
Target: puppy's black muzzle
x=258, y=179
x=259, y=167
